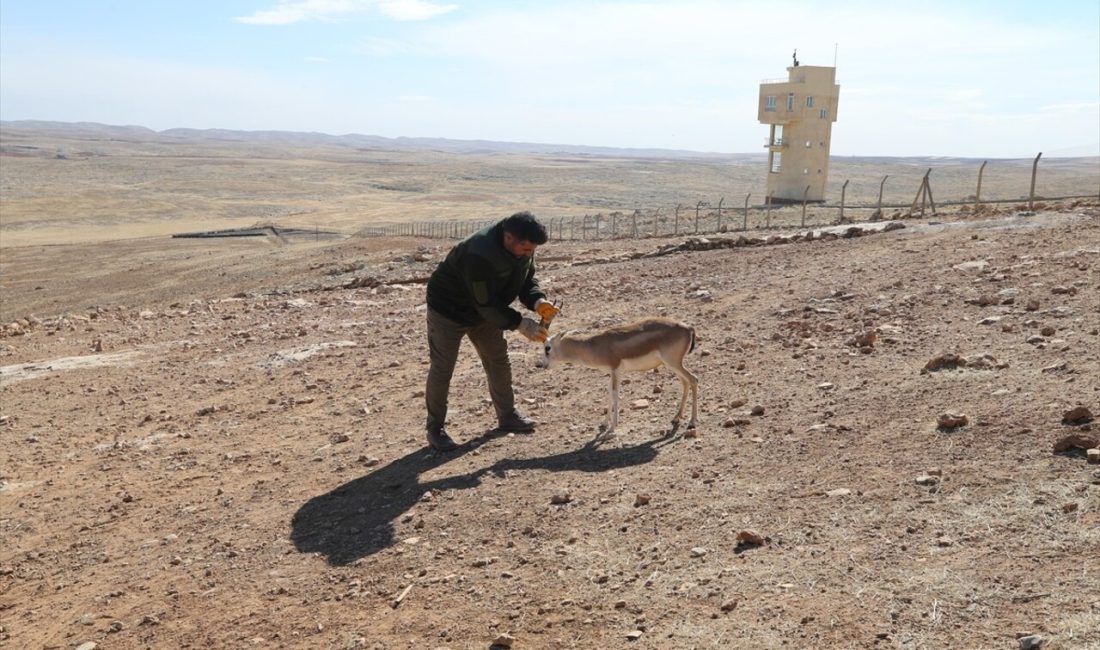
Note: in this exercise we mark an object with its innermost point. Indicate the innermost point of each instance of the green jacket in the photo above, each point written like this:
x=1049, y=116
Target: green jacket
x=479, y=279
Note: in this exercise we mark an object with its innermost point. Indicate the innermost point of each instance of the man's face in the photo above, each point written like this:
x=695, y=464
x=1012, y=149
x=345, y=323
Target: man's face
x=518, y=247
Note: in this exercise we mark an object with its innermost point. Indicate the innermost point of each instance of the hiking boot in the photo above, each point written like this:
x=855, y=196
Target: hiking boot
x=516, y=423
x=440, y=441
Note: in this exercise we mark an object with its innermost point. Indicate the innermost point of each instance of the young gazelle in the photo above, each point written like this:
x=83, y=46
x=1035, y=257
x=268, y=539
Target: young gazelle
x=643, y=345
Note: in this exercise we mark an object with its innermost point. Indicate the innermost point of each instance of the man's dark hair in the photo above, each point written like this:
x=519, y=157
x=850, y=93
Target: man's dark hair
x=525, y=227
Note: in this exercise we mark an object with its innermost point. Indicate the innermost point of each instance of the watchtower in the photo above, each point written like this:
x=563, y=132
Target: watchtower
x=800, y=111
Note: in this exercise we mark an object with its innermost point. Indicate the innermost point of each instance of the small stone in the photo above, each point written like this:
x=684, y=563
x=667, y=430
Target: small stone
x=1031, y=642
x=639, y=404
x=1077, y=415
x=635, y=635
x=951, y=420
x=641, y=500
x=729, y=605
x=1069, y=507
x=504, y=641
x=560, y=498
x=340, y=437
x=1076, y=441
x=1093, y=456
x=757, y=410
x=926, y=479
x=88, y=645
x=698, y=551
x=749, y=536
x=838, y=492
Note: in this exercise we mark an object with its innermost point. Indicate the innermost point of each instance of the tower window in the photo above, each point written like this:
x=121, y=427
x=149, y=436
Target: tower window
x=776, y=162
x=824, y=113
x=769, y=103
x=790, y=102
x=809, y=101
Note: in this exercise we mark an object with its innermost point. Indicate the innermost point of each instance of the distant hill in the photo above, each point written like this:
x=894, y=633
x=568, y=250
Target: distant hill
x=95, y=131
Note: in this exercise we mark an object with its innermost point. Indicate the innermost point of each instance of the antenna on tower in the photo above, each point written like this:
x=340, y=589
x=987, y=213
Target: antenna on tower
x=836, y=46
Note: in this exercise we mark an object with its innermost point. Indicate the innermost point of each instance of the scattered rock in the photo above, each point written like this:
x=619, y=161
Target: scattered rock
x=838, y=492
x=757, y=410
x=560, y=498
x=949, y=361
x=641, y=500
x=927, y=479
x=977, y=265
x=1031, y=642
x=504, y=641
x=1093, y=456
x=749, y=536
x=640, y=404
x=635, y=635
x=698, y=551
x=1075, y=441
x=951, y=420
x=1077, y=415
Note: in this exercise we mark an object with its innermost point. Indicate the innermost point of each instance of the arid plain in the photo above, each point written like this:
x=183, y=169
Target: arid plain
x=217, y=442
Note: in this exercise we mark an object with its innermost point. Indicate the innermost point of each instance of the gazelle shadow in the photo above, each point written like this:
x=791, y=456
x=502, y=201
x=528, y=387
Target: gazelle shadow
x=355, y=520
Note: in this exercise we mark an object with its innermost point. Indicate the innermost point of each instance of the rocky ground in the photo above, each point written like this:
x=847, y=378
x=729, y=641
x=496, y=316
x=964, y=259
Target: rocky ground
x=233, y=456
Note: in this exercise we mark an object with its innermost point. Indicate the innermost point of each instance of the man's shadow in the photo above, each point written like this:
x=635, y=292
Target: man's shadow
x=355, y=520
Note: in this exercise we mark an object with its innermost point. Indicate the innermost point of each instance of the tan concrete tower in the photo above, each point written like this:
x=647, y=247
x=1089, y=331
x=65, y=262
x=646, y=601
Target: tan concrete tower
x=800, y=111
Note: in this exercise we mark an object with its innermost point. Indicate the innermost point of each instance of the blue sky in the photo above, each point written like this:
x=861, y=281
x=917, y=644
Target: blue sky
x=978, y=78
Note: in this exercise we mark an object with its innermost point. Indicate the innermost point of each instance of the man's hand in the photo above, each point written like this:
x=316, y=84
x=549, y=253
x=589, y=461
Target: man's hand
x=546, y=310
x=532, y=330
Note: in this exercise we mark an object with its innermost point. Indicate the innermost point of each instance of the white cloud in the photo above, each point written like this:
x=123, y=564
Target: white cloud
x=288, y=12
x=413, y=9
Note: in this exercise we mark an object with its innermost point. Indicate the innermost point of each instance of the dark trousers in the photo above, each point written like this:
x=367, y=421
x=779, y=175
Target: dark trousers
x=444, y=337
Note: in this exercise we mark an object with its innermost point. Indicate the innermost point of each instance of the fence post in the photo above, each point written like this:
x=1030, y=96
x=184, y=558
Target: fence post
x=572, y=228
x=614, y=225
x=1034, y=172
x=843, y=189
x=597, y=235
x=804, y=193
x=719, y=227
x=745, y=222
x=634, y=224
x=676, y=222
x=878, y=210
x=697, y=216
x=978, y=192
x=584, y=228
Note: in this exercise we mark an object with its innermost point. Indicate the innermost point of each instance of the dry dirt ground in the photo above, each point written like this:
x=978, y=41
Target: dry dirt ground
x=218, y=444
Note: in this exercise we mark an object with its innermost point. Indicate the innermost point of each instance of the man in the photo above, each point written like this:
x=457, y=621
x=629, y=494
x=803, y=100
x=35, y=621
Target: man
x=470, y=294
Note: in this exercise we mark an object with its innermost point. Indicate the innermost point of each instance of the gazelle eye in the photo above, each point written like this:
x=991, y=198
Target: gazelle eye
x=546, y=349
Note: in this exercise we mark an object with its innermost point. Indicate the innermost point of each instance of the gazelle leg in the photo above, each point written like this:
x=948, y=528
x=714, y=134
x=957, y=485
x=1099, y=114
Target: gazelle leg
x=613, y=412
x=687, y=380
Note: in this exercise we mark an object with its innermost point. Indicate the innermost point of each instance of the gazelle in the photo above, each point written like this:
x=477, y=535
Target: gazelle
x=642, y=345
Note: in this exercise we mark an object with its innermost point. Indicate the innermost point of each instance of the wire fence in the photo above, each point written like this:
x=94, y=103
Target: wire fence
x=706, y=217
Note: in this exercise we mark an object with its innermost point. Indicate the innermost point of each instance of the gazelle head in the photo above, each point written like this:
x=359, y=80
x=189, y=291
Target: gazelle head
x=551, y=351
